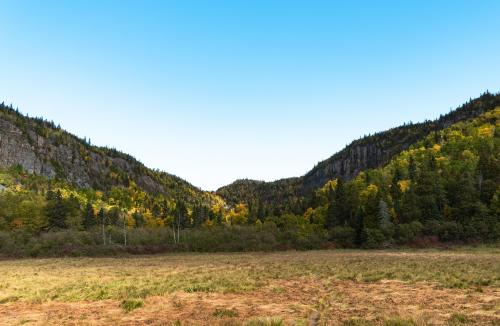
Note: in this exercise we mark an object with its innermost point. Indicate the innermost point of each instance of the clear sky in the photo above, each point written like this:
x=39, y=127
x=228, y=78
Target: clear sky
x=213, y=91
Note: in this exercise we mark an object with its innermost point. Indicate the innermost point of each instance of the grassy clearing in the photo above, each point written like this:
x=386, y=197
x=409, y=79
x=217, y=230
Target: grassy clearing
x=302, y=283
x=83, y=279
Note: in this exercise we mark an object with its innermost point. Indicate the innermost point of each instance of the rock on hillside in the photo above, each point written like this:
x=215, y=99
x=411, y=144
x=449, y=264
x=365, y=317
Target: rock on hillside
x=41, y=148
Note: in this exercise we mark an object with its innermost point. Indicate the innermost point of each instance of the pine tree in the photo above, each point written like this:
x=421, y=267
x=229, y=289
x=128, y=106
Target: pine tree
x=338, y=212
x=104, y=222
x=429, y=190
x=384, y=215
x=56, y=210
x=89, y=220
x=395, y=190
x=412, y=168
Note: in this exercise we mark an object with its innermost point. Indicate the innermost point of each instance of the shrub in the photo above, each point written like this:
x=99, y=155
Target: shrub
x=407, y=232
x=477, y=229
x=431, y=227
x=374, y=238
x=343, y=236
x=7, y=243
x=449, y=231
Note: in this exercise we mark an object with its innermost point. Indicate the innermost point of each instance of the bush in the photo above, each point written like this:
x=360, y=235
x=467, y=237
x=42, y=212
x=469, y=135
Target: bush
x=230, y=238
x=303, y=236
x=343, y=236
x=449, y=231
x=431, y=227
x=374, y=238
x=7, y=243
x=476, y=230
x=407, y=232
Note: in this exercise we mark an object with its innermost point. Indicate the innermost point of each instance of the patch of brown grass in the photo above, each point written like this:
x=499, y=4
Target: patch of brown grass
x=297, y=288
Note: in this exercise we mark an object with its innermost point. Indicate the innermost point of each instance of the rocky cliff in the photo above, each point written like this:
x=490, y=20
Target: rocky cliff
x=41, y=148
x=16, y=150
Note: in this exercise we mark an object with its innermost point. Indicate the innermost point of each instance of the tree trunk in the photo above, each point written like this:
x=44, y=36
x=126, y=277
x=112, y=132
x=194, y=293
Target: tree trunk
x=124, y=231
x=103, y=235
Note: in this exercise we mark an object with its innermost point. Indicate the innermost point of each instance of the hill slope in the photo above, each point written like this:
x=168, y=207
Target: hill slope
x=366, y=153
x=41, y=148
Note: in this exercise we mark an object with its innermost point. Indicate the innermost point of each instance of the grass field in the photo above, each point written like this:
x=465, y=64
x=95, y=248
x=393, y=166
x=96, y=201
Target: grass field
x=455, y=287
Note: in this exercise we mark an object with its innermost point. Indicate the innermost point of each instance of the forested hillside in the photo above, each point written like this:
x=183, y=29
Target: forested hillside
x=61, y=195
x=51, y=179
x=41, y=148
x=366, y=153
x=445, y=185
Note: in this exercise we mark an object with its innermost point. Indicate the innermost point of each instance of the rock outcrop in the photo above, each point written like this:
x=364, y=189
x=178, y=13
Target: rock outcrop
x=41, y=148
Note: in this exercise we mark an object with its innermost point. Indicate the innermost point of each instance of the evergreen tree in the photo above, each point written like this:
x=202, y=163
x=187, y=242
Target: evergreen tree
x=412, y=168
x=385, y=220
x=104, y=222
x=395, y=190
x=429, y=190
x=252, y=213
x=89, y=220
x=56, y=210
x=338, y=212
x=384, y=215
x=410, y=210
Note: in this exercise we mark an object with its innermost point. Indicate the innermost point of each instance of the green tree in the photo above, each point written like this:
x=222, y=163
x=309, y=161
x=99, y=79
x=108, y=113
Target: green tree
x=56, y=211
x=89, y=219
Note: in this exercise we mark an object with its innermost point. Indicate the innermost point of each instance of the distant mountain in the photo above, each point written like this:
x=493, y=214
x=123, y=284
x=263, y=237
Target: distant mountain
x=430, y=181
x=366, y=153
x=42, y=148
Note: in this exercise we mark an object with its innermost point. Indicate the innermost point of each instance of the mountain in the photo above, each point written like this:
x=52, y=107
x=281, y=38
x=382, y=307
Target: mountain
x=41, y=148
x=426, y=182
x=366, y=153
x=444, y=187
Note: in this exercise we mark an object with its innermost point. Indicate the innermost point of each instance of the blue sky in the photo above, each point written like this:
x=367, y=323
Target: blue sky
x=213, y=91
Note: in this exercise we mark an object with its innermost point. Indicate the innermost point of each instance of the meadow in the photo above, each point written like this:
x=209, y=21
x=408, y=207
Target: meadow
x=328, y=287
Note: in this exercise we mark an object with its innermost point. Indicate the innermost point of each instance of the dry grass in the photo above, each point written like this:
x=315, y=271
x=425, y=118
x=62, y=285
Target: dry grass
x=293, y=288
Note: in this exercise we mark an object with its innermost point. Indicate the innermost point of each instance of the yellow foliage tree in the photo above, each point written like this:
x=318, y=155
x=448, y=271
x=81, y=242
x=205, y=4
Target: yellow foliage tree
x=237, y=215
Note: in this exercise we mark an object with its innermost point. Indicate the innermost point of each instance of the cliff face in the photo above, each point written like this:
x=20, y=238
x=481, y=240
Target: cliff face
x=362, y=154
x=43, y=149
x=347, y=163
x=69, y=159
x=15, y=150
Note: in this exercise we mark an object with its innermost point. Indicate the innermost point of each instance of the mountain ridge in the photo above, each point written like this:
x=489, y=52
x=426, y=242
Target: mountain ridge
x=445, y=186
x=42, y=148
x=364, y=153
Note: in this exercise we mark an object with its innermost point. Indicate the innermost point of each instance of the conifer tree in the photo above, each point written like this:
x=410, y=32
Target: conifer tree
x=89, y=219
